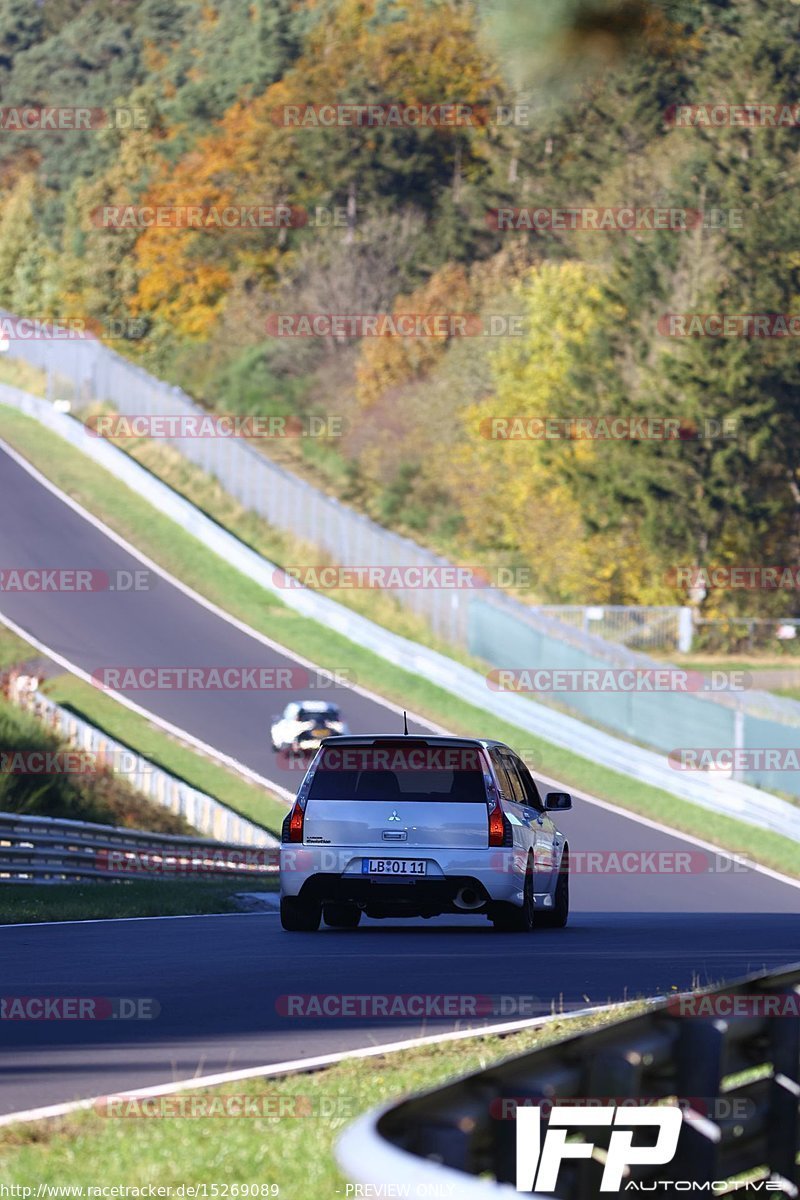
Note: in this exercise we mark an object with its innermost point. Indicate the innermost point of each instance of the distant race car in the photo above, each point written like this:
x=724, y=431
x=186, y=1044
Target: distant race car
x=304, y=725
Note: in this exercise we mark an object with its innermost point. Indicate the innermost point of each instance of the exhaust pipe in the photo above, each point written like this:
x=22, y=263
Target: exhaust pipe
x=468, y=899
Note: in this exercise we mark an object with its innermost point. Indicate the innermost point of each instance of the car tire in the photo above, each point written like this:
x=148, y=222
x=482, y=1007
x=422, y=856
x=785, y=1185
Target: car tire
x=299, y=917
x=558, y=916
x=509, y=918
x=341, y=916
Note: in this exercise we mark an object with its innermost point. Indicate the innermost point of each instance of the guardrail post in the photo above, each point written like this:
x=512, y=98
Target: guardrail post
x=738, y=737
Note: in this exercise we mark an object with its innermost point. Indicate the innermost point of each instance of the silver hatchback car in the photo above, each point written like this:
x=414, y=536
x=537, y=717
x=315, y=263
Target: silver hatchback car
x=418, y=826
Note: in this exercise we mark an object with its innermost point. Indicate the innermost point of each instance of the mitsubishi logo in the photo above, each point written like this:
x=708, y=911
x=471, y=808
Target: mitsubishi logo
x=394, y=816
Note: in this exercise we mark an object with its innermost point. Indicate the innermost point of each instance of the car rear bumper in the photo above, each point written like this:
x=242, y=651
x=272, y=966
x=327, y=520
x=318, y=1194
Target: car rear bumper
x=327, y=873
x=309, y=744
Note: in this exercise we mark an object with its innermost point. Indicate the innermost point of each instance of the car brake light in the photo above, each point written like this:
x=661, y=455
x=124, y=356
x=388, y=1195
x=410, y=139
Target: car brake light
x=292, y=828
x=500, y=831
x=296, y=819
x=496, y=826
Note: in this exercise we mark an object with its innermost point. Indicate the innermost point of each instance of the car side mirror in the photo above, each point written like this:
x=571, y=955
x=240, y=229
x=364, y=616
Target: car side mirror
x=558, y=801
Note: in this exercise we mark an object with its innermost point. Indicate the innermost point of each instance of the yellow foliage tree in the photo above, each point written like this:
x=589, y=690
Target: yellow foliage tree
x=386, y=362
x=429, y=53
x=515, y=494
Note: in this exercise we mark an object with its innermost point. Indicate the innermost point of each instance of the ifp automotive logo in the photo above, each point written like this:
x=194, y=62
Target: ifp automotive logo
x=538, y=1161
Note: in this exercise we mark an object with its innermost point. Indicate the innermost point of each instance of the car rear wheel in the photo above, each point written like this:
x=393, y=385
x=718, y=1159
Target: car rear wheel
x=558, y=915
x=341, y=916
x=299, y=917
x=511, y=919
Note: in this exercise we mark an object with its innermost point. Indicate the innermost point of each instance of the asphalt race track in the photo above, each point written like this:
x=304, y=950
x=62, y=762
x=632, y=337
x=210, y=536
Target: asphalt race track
x=217, y=980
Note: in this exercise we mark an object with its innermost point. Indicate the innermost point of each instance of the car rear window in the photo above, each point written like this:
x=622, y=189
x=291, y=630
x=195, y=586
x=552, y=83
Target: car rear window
x=400, y=771
x=325, y=714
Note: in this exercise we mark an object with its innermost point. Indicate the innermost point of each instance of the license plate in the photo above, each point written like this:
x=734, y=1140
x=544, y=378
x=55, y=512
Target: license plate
x=321, y=732
x=393, y=867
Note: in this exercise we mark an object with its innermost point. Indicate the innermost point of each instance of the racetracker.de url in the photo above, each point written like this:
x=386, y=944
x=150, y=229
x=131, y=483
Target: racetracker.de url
x=192, y=1191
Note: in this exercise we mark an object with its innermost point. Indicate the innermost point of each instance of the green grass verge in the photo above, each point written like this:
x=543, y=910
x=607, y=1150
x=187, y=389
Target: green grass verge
x=19, y=374
x=295, y=1152
x=97, y=795
x=767, y=662
x=27, y=904
x=192, y=562
x=13, y=649
x=136, y=732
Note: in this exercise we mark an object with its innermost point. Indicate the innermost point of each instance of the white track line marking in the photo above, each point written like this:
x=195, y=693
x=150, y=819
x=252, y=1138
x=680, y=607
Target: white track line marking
x=31, y=925
x=306, y=1065
x=181, y=734
x=129, y=548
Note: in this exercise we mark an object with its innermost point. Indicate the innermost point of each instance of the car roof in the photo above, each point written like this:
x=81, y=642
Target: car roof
x=314, y=705
x=430, y=739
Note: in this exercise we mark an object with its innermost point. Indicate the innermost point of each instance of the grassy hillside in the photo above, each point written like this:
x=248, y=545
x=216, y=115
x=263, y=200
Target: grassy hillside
x=95, y=795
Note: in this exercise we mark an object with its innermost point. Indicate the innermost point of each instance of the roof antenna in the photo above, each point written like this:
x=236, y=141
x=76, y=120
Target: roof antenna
x=405, y=722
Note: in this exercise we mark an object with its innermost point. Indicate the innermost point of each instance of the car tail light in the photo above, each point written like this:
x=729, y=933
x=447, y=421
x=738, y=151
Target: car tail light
x=500, y=831
x=292, y=828
x=293, y=824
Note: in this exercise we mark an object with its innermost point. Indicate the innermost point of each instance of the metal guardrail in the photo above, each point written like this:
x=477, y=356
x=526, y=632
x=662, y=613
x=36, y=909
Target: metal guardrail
x=203, y=812
x=460, y=1140
x=47, y=850
x=725, y=796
